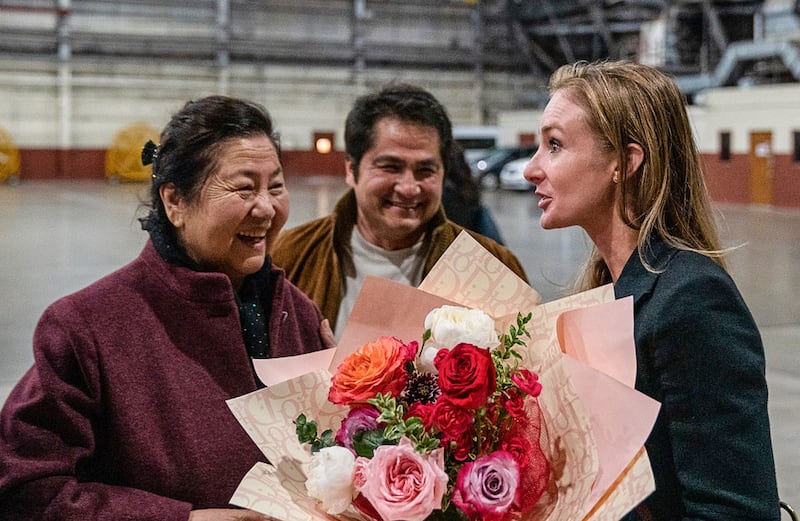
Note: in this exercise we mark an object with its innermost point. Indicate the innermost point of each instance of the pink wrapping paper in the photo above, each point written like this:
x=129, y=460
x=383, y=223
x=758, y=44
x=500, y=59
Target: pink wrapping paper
x=595, y=422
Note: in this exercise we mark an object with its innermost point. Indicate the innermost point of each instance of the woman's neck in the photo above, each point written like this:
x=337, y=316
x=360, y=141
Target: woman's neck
x=615, y=242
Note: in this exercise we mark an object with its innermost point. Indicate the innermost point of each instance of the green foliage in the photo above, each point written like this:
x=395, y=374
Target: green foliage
x=503, y=355
x=412, y=428
x=307, y=433
x=365, y=443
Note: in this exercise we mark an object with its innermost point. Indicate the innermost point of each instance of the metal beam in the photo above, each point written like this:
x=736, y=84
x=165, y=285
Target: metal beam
x=563, y=43
x=526, y=48
x=715, y=26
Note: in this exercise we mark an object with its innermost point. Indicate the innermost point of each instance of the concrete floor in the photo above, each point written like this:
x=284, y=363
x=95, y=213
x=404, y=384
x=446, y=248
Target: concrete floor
x=58, y=236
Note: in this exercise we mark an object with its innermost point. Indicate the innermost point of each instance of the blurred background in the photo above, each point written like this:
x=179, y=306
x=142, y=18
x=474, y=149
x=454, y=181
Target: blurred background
x=84, y=83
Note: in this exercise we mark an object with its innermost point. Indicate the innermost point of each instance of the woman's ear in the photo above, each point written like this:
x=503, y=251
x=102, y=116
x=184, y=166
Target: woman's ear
x=635, y=154
x=174, y=205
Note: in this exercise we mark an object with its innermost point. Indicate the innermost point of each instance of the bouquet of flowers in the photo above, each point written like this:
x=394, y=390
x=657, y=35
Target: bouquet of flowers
x=446, y=431
x=540, y=428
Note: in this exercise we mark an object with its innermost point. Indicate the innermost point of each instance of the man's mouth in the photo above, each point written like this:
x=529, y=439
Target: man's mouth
x=404, y=205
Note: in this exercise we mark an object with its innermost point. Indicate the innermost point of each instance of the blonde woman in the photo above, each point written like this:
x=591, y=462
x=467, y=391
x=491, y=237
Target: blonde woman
x=619, y=160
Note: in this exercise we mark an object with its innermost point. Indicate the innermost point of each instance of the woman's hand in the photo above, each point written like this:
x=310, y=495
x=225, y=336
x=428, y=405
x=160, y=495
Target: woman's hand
x=326, y=334
x=226, y=514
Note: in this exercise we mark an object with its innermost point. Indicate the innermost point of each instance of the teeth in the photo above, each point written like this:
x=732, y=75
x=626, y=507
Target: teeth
x=253, y=235
x=405, y=206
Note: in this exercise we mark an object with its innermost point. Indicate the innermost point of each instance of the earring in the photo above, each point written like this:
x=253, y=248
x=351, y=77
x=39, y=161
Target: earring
x=615, y=178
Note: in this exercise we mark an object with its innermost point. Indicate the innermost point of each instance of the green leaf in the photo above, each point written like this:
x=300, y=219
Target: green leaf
x=327, y=439
x=366, y=442
x=306, y=430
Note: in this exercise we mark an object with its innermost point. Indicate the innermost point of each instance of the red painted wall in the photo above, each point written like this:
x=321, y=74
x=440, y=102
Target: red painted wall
x=46, y=163
x=728, y=181
x=786, y=183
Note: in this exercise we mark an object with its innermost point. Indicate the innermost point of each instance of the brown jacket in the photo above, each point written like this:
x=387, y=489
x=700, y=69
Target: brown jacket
x=316, y=255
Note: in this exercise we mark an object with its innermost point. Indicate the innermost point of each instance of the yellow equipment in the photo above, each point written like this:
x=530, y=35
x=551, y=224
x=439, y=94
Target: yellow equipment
x=9, y=158
x=124, y=156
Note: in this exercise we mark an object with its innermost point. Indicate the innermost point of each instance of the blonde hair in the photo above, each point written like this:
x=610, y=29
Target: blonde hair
x=666, y=196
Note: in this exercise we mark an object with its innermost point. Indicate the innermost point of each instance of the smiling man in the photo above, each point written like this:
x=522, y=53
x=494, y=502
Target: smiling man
x=390, y=223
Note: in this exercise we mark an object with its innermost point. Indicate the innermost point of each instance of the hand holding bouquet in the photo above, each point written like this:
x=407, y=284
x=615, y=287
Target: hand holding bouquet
x=450, y=430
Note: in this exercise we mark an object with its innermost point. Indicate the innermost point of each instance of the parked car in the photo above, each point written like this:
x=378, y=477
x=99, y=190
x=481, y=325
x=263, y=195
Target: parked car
x=511, y=176
x=487, y=169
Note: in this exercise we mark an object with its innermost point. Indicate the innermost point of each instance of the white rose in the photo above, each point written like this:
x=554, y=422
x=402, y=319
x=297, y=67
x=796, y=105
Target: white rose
x=330, y=478
x=426, y=358
x=453, y=325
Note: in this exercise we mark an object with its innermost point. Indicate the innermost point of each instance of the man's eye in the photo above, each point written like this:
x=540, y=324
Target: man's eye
x=389, y=168
x=554, y=145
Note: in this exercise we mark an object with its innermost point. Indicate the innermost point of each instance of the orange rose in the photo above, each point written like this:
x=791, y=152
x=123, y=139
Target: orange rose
x=376, y=367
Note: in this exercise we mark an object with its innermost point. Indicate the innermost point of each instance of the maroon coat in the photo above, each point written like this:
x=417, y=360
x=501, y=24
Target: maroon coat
x=123, y=414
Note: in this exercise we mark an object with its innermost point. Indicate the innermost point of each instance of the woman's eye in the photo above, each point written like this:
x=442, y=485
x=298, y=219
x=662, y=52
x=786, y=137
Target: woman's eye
x=554, y=145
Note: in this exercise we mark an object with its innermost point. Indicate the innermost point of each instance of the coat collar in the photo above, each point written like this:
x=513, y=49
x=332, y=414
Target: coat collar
x=636, y=279
x=198, y=286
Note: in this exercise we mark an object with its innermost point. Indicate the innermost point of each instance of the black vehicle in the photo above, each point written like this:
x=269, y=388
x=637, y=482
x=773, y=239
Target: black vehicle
x=486, y=170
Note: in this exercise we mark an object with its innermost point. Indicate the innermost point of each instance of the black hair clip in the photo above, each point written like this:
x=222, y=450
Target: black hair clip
x=150, y=154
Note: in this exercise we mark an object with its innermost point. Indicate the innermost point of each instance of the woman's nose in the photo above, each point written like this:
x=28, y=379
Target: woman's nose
x=264, y=207
x=533, y=172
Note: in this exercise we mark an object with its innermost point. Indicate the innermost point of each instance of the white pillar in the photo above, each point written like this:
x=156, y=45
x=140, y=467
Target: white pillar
x=64, y=76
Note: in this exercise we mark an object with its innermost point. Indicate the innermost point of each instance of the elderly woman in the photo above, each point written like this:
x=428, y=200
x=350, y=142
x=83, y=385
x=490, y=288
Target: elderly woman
x=123, y=415
x=618, y=159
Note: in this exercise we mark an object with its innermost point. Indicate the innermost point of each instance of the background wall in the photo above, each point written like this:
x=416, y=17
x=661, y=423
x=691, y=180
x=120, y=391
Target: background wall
x=74, y=73
x=772, y=109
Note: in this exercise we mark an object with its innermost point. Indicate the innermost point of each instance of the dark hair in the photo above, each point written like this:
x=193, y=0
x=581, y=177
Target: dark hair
x=189, y=148
x=402, y=101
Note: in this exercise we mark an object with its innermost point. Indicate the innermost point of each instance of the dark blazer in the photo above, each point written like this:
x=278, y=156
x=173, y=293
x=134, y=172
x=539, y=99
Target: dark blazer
x=700, y=354
x=123, y=415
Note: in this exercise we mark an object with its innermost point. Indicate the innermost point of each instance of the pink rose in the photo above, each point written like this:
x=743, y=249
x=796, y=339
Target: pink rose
x=487, y=488
x=400, y=483
x=466, y=375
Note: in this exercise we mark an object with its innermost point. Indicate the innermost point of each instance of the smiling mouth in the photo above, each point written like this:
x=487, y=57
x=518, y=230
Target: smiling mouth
x=403, y=206
x=251, y=238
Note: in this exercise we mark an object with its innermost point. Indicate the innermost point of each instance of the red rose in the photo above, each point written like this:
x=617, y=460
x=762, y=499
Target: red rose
x=527, y=381
x=425, y=411
x=515, y=405
x=466, y=375
x=519, y=447
x=454, y=422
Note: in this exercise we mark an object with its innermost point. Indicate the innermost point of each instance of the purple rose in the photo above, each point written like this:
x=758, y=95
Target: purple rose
x=358, y=420
x=487, y=488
